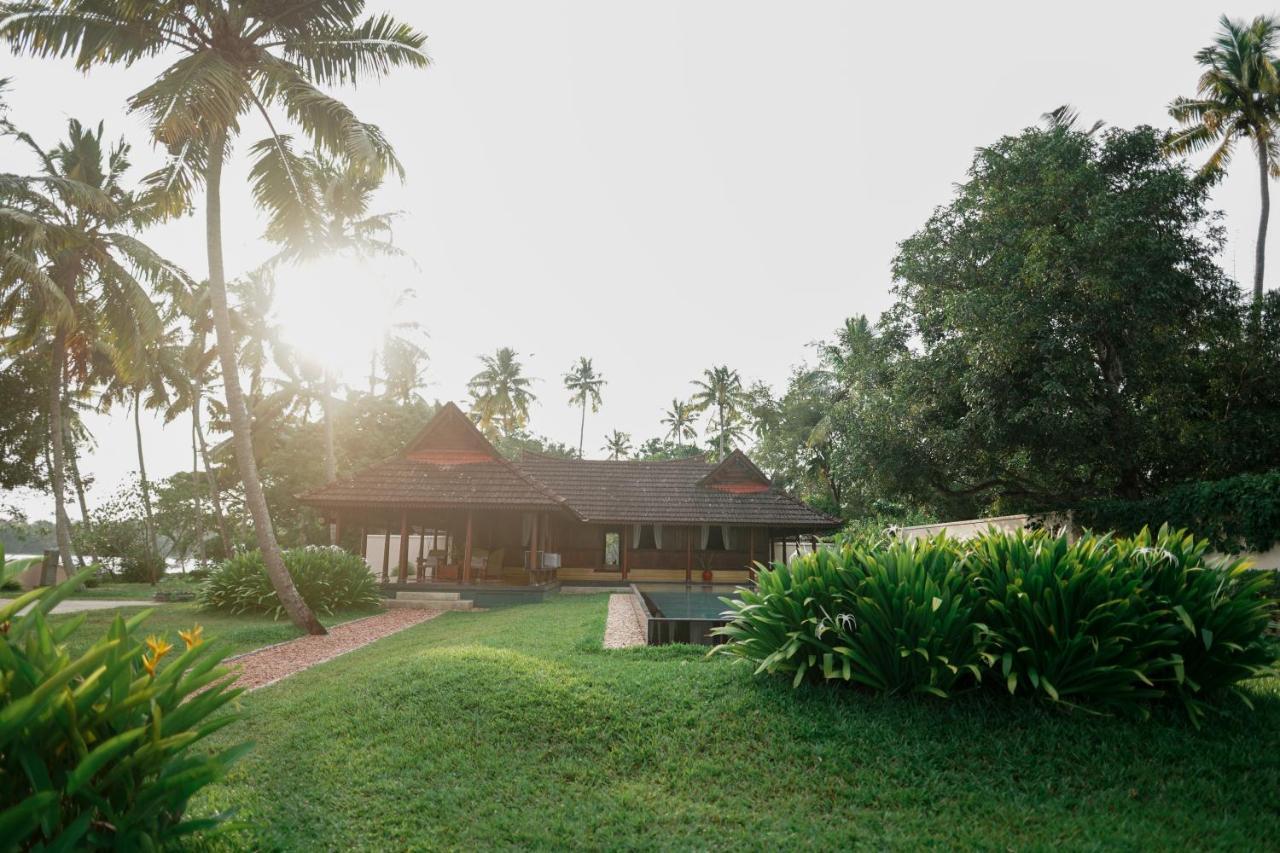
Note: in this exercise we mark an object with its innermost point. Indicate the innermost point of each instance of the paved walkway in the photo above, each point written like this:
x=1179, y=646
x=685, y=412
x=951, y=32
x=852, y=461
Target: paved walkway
x=271, y=664
x=77, y=605
x=626, y=625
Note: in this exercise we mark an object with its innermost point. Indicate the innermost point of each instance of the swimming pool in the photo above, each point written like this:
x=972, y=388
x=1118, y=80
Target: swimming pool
x=683, y=614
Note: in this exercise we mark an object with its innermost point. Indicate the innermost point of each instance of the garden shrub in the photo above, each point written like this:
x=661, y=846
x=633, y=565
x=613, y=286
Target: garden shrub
x=100, y=750
x=895, y=618
x=328, y=579
x=1111, y=622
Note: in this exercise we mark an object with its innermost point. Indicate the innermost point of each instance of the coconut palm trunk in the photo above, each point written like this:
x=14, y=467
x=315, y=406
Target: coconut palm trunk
x=254, y=498
x=153, y=547
x=73, y=466
x=1260, y=251
x=215, y=495
x=62, y=525
x=330, y=458
x=582, y=428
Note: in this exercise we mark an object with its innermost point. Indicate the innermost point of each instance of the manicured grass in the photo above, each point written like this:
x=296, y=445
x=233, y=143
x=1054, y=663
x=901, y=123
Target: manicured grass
x=514, y=728
x=239, y=633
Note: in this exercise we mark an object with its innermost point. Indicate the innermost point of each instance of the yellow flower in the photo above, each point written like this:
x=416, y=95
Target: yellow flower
x=149, y=664
x=158, y=646
x=192, y=637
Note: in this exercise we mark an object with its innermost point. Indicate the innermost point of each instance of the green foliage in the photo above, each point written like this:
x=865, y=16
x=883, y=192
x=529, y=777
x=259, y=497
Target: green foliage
x=96, y=748
x=1236, y=513
x=1109, y=622
x=328, y=579
x=118, y=538
x=894, y=618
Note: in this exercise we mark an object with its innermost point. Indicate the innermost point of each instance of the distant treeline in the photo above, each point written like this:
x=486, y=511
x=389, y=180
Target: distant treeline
x=26, y=537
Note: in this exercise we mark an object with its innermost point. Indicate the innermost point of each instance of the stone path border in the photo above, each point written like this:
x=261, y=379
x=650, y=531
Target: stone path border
x=626, y=625
x=270, y=664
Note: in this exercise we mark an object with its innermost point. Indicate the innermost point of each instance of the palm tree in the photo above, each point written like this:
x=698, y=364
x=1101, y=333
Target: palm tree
x=617, y=444
x=500, y=395
x=1238, y=97
x=256, y=333
x=678, y=420
x=403, y=365
x=721, y=389
x=234, y=57
x=584, y=386
x=71, y=271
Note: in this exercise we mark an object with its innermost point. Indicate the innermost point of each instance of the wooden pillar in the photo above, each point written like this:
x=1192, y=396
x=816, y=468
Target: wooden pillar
x=535, y=568
x=386, y=552
x=688, y=556
x=364, y=542
x=466, y=552
x=626, y=542
x=337, y=528
x=404, y=547
x=751, y=546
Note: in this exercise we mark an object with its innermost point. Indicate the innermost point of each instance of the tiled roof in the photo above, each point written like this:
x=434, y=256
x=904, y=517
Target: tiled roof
x=450, y=464
x=668, y=492
x=406, y=482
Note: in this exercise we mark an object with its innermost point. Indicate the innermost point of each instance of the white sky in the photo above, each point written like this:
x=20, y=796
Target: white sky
x=669, y=185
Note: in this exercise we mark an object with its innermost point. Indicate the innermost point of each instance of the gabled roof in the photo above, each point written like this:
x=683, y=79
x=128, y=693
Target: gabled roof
x=451, y=464
x=683, y=491
x=448, y=464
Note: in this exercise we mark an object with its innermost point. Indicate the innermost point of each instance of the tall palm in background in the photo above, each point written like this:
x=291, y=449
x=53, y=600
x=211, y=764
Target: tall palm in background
x=584, y=384
x=74, y=274
x=500, y=395
x=1238, y=97
x=256, y=333
x=232, y=57
x=617, y=445
x=404, y=370
x=679, y=421
x=720, y=390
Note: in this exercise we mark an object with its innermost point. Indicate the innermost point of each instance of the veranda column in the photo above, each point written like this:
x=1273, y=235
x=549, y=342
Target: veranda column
x=466, y=552
x=688, y=556
x=386, y=551
x=404, y=547
x=534, y=567
x=337, y=528
x=626, y=542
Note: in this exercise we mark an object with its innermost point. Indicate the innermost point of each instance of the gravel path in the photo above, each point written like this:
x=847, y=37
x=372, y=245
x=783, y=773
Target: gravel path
x=269, y=665
x=625, y=627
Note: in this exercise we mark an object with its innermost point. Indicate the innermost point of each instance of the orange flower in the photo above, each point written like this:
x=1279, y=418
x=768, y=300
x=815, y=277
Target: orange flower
x=159, y=648
x=192, y=637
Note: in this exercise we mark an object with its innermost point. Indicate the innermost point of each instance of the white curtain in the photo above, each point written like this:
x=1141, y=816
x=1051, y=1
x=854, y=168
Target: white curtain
x=526, y=527
x=657, y=536
x=724, y=536
x=706, y=536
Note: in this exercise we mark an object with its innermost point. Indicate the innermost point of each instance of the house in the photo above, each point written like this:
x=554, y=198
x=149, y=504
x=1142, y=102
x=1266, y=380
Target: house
x=449, y=509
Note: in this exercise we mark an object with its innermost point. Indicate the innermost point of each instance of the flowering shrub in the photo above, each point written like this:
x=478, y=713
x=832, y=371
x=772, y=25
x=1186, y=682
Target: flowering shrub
x=97, y=751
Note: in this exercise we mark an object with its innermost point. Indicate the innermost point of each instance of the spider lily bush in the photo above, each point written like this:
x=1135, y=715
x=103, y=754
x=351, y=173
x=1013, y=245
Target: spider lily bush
x=103, y=750
x=1108, y=624
x=327, y=578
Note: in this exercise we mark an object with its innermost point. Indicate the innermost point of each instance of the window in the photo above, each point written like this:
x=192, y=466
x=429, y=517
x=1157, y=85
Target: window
x=715, y=539
x=647, y=539
x=612, y=549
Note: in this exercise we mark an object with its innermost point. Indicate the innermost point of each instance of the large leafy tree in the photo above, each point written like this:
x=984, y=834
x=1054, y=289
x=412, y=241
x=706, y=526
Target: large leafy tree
x=500, y=393
x=231, y=58
x=75, y=283
x=720, y=391
x=1237, y=98
x=584, y=384
x=1049, y=338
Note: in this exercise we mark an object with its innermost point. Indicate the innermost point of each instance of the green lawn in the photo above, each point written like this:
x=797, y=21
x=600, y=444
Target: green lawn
x=514, y=728
x=240, y=633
